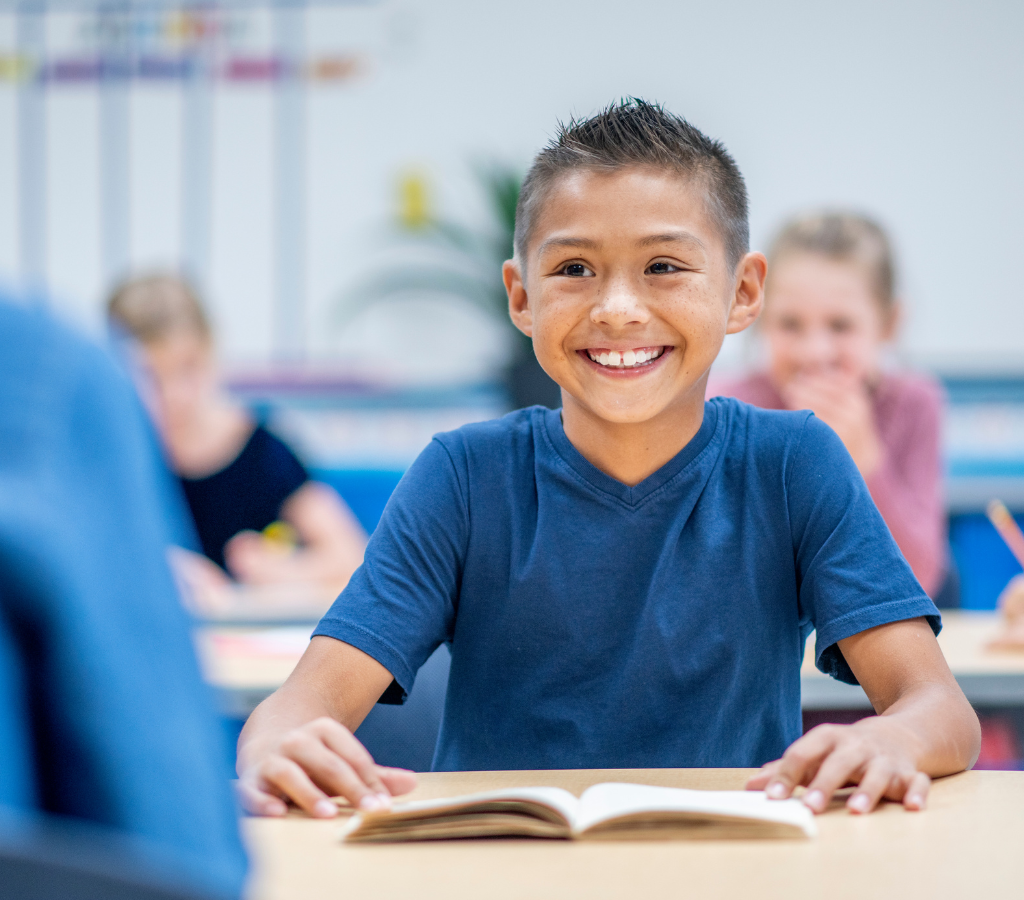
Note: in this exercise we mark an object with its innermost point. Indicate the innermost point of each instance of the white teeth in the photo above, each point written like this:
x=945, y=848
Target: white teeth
x=625, y=359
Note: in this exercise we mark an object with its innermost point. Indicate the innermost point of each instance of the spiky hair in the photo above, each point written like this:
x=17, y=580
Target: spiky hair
x=635, y=133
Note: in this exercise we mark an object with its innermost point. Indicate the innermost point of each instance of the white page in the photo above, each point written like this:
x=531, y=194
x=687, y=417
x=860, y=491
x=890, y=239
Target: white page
x=605, y=801
x=555, y=798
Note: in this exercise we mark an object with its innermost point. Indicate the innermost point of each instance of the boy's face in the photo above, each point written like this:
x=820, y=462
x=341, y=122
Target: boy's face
x=627, y=293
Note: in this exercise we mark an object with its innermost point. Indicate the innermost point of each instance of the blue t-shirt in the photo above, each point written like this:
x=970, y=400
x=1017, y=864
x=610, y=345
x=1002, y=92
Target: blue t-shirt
x=593, y=624
x=103, y=714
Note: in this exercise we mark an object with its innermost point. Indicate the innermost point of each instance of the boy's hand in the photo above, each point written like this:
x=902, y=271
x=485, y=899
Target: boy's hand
x=1011, y=605
x=925, y=727
x=312, y=763
x=873, y=754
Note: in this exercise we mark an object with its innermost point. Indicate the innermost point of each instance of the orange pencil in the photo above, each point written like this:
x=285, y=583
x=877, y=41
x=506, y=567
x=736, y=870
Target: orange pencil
x=1008, y=529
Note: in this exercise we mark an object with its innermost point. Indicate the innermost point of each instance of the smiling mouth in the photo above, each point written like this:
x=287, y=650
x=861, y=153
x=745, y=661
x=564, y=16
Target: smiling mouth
x=637, y=358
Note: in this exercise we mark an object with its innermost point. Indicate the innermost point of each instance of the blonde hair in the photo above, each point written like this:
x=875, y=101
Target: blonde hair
x=153, y=307
x=847, y=238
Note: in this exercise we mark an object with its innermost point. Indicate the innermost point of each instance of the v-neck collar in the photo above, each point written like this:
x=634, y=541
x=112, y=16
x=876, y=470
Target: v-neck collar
x=630, y=495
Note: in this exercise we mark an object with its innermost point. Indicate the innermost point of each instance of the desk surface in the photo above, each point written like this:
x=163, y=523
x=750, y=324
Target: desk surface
x=988, y=677
x=967, y=844
x=247, y=664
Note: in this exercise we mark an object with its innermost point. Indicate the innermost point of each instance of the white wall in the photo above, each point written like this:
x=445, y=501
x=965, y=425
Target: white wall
x=913, y=111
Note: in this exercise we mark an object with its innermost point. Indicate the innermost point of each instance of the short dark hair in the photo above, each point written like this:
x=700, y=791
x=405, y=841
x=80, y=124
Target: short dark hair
x=634, y=132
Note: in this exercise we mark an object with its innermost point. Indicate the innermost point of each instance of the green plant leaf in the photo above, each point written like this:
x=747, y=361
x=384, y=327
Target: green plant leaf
x=469, y=259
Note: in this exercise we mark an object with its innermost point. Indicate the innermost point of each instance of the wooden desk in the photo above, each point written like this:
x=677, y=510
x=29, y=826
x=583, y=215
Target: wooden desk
x=246, y=664
x=988, y=677
x=966, y=845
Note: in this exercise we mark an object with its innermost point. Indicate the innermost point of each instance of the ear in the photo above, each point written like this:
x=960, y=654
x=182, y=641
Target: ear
x=518, y=301
x=749, y=296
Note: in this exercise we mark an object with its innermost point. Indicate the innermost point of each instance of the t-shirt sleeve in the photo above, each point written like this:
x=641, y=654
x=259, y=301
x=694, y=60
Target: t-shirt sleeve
x=282, y=473
x=400, y=604
x=851, y=574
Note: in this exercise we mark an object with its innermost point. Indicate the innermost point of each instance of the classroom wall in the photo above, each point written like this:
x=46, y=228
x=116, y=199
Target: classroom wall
x=910, y=110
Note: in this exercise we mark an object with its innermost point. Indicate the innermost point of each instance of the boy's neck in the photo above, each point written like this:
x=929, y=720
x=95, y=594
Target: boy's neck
x=631, y=452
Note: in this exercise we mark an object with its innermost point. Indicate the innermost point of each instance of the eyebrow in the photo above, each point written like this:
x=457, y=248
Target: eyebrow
x=584, y=243
x=672, y=237
x=668, y=237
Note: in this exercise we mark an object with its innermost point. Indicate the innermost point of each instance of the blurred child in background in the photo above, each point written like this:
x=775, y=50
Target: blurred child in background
x=257, y=513
x=830, y=310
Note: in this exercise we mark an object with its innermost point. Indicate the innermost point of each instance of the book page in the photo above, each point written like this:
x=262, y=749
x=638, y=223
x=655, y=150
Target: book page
x=604, y=803
x=537, y=811
x=561, y=801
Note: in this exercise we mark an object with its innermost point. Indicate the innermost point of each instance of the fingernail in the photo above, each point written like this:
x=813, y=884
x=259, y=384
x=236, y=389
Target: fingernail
x=815, y=800
x=385, y=800
x=325, y=809
x=370, y=803
x=915, y=802
x=859, y=803
x=776, y=790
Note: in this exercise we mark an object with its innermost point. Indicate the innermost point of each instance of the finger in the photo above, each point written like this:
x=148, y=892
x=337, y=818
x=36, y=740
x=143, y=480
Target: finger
x=845, y=764
x=345, y=745
x=259, y=803
x=876, y=782
x=332, y=773
x=397, y=781
x=916, y=796
x=800, y=763
x=287, y=776
x=760, y=779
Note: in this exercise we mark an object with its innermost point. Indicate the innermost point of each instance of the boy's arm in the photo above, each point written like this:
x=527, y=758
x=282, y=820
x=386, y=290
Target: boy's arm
x=298, y=743
x=924, y=727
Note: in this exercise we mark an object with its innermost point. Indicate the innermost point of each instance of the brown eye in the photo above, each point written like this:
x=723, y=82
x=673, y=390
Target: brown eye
x=662, y=268
x=576, y=270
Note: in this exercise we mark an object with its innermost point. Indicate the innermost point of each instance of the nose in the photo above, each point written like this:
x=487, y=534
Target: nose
x=817, y=349
x=619, y=305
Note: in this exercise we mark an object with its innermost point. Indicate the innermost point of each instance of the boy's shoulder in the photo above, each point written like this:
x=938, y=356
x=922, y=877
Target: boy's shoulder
x=746, y=422
x=48, y=354
x=517, y=428
x=51, y=371
x=739, y=426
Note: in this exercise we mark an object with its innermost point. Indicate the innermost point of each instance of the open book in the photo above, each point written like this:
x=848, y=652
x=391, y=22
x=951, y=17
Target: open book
x=610, y=811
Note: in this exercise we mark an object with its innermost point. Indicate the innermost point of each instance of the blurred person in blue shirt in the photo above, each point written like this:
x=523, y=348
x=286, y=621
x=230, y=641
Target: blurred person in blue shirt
x=103, y=714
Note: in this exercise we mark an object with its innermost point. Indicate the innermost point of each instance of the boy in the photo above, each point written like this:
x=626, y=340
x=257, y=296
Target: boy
x=628, y=581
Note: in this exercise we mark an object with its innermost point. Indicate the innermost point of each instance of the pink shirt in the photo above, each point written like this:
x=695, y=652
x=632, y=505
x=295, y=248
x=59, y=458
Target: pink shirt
x=907, y=486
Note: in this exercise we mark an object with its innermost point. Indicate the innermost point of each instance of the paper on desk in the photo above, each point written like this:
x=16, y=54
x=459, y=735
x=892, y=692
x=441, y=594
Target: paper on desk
x=603, y=801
